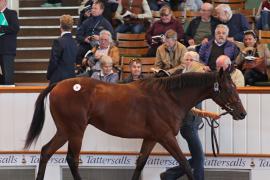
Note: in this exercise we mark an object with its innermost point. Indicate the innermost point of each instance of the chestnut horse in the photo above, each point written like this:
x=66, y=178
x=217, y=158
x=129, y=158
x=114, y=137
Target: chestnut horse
x=151, y=109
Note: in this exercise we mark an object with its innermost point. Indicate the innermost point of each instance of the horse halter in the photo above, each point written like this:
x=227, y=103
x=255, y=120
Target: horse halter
x=228, y=106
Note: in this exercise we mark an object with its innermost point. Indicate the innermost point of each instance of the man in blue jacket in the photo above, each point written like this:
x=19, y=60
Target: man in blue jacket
x=220, y=45
x=9, y=28
x=63, y=53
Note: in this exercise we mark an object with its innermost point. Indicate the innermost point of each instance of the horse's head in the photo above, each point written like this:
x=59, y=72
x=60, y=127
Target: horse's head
x=226, y=96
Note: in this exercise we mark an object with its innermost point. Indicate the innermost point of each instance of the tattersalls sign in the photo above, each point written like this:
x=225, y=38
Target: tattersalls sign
x=130, y=160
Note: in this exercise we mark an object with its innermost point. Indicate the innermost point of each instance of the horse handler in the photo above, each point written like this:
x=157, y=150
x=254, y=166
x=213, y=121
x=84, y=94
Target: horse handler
x=189, y=131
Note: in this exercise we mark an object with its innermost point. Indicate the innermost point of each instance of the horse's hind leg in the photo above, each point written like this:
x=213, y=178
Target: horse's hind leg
x=146, y=149
x=47, y=151
x=169, y=142
x=74, y=148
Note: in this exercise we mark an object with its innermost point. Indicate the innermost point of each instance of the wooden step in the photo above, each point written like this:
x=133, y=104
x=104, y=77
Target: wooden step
x=33, y=54
x=41, y=31
x=37, y=3
x=42, y=21
x=31, y=66
x=34, y=42
x=25, y=12
x=30, y=77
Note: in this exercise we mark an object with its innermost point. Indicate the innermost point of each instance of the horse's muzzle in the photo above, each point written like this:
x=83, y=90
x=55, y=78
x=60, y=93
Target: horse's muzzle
x=240, y=116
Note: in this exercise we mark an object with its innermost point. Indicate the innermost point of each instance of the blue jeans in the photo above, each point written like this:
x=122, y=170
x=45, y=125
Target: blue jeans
x=133, y=28
x=190, y=132
x=263, y=22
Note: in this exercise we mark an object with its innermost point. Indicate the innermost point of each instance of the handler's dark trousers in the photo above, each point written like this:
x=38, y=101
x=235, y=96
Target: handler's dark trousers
x=7, y=66
x=190, y=132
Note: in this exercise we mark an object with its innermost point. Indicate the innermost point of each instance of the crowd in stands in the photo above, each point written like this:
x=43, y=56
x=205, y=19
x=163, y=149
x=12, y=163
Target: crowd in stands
x=215, y=32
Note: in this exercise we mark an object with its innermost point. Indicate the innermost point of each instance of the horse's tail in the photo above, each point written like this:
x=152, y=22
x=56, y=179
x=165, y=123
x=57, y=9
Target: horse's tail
x=38, y=117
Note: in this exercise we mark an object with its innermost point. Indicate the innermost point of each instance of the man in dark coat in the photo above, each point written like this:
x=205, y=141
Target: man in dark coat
x=9, y=28
x=63, y=54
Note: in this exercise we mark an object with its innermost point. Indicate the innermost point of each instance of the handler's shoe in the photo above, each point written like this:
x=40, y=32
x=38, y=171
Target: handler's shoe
x=163, y=176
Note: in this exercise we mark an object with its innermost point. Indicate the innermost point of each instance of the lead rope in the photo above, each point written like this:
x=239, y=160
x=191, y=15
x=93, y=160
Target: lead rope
x=213, y=124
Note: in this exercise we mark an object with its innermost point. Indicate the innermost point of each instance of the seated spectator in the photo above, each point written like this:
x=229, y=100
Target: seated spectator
x=158, y=29
x=155, y=5
x=135, y=66
x=110, y=7
x=106, y=47
x=88, y=32
x=201, y=29
x=210, y=51
x=170, y=54
x=237, y=23
x=106, y=73
x=63, y=53
x=52, y=3
x=191, y=61
x=225, y=63
x=263, y=15
x=133, y=14
x=253, y=59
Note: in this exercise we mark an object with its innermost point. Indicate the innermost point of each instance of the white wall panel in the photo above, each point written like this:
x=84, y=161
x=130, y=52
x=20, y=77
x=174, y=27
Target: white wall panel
x=253, y=123
x=247, y=136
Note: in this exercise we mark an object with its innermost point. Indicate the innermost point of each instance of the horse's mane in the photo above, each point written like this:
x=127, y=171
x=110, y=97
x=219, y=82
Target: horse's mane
x=181, y=81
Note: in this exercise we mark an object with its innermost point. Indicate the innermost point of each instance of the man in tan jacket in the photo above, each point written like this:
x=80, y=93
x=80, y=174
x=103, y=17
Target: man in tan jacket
x=170, y=54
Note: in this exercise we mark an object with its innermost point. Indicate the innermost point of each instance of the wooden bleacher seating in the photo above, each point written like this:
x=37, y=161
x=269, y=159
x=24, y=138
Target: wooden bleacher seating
x=147, y=64
x=132, y=44
x=264, y=37
x=234, y=4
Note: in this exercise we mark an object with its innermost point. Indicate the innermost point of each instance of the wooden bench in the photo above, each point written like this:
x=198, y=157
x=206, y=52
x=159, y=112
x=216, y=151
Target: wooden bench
x=132, y=44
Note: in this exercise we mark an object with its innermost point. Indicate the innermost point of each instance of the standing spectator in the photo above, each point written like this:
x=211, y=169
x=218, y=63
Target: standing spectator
x=237, y=23
x=133, y=14
x=9, y=28
x=210, y=51
x=263, y=15
x=52, y=3
x=135, y=66
x=201, y=29
x=63, y=54
x=158, y=29
x=88, y=32
x=170, y=54
x=253, y=58
x=106, y=73
x=225, y=63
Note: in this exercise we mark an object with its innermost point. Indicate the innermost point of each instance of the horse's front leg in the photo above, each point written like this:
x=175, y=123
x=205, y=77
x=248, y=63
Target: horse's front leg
x=147, y=147
x=169, y=142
